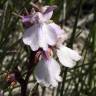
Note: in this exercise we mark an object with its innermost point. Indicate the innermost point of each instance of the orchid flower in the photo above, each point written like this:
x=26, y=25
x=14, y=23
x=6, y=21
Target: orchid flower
x=45, y=74
x=42, y=33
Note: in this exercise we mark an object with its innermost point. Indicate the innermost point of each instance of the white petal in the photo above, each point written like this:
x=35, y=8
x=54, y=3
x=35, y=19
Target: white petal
x=41, y=73
x=56, y=29
x=47, y=12
x=59, y=78
x=51, y=36
x=44, y=73
x=53, y=64
x=66, y=58
x=46, y=36
x=30, y=37
x=48, y=15
x=74, y=54
x=27, y=36
x=61, y=34
x=43, y=37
